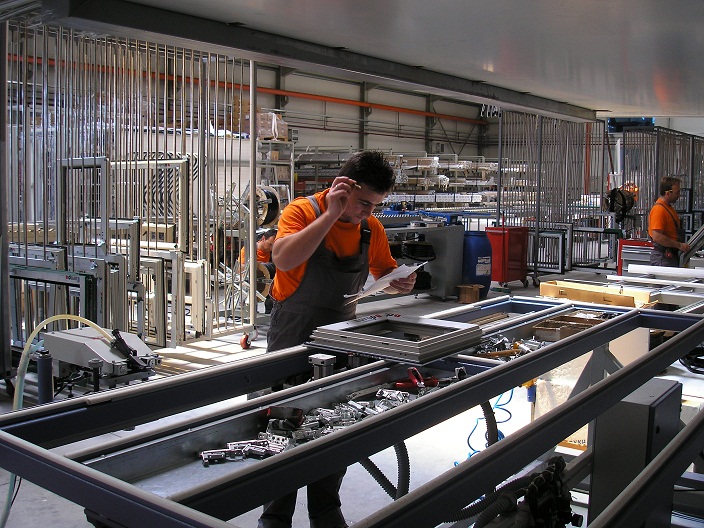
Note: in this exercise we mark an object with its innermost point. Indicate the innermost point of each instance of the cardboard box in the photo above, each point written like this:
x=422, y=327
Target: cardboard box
x=609, y=295
x=271, y=126
x=34, y=233
x=561, y=326
x=283, y=173
x=469, y=293
x=237, y=116
x=159, y=232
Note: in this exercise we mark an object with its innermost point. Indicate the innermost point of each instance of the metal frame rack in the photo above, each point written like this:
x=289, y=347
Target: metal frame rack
x=27, y=437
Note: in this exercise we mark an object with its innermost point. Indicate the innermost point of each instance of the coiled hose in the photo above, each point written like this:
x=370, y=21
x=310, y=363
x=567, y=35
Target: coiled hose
x=404, y=473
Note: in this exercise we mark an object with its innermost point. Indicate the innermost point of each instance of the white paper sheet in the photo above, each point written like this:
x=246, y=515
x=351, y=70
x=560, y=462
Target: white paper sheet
x=401, y=272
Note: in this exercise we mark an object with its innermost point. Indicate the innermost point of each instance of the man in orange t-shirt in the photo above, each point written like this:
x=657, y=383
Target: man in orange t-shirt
x=665, y=226
x=265, y=241
x=327, y=244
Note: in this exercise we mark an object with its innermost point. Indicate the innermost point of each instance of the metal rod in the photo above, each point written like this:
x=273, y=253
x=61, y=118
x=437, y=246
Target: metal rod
x=538, y=216
x=5, y=331
x=253, y=181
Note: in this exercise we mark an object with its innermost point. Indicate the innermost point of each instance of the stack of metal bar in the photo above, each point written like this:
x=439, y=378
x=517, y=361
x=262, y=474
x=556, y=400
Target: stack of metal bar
x=416, y=340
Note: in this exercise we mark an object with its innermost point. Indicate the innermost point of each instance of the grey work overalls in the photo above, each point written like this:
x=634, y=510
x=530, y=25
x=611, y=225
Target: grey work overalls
x=319, y=300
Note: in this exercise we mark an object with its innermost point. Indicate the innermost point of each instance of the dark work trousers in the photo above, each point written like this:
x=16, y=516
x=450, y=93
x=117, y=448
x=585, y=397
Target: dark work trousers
x=659, y=258
x=319, y=300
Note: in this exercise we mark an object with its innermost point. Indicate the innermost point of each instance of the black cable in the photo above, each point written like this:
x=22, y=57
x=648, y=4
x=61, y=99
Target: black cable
x=17, y=490
x=418, y=250
x=694, y=361
x=506, y=502
x=73, y=377
x=404, y=473
x=492, y=429
x=517, y=485
x=67, y=380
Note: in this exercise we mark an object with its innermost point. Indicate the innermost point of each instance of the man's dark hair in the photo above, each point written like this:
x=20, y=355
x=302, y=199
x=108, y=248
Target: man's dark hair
x=371, y=168
x=667, y=183
x=266, y=234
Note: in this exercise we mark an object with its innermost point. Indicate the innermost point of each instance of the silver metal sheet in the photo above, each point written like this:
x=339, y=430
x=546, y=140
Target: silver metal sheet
x=414, y=339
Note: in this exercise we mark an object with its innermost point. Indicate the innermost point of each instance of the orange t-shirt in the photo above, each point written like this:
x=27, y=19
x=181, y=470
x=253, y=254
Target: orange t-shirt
x=262, y=256
x=660, y=220
x=342, y=239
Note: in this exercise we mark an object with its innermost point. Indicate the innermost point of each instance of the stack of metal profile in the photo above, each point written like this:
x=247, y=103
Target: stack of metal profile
x=409, y=339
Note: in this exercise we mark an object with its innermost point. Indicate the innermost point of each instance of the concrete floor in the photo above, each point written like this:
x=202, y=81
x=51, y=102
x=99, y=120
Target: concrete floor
x=431, y=452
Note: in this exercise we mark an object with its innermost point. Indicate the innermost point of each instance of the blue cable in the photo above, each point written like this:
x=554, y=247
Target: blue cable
x=498, y=405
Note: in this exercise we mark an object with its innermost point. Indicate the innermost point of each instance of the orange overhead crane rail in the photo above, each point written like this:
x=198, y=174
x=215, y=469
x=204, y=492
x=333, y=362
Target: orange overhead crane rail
x=273, y=91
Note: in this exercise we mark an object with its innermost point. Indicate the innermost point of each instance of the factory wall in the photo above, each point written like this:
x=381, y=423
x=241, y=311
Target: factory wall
x=688, y=125
x=324, y=115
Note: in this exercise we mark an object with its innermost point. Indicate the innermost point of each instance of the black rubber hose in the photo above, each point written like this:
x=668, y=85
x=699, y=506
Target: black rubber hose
x=506, y=502
x=492, y=429
x=273, y=207
x=404, y=464
x=479, y=506
x=404, y=473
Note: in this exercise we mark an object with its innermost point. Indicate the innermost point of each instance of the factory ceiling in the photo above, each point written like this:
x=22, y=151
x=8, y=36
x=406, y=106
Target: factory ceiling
x=579, y=59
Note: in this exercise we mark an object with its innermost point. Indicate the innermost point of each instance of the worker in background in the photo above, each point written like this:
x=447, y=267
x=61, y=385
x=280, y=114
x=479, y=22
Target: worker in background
x=326, y=246
x=665, y=227
x=265, y=241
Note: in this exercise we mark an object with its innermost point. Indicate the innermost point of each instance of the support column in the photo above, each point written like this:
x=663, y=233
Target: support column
x=5, y=353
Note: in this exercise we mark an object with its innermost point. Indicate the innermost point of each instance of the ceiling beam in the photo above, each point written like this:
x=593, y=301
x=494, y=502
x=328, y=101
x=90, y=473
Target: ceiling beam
x=127, y=19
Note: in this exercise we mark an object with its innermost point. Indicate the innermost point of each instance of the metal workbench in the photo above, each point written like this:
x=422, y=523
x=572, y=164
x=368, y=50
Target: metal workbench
x=154, y=478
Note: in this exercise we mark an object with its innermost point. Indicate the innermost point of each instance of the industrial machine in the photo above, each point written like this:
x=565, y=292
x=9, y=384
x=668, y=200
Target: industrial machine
x=83, y=352
x=283, y=440
x=439, y=245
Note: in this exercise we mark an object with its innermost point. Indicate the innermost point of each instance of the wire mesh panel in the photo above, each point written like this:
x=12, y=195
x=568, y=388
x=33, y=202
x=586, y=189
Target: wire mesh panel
x=594, y=246
x=550, y=256
x=553, y=171
x=553, y=167
x=106, y=132
x=697, y=181
x=648, y=155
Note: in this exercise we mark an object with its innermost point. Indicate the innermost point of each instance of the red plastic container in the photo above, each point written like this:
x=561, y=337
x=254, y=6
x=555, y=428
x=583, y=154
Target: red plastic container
x=509, y=249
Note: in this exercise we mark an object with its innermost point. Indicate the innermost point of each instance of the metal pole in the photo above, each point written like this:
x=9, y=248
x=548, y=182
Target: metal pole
x=500, y=169
x=253, y=209
x=536, y=241
x=5, y=353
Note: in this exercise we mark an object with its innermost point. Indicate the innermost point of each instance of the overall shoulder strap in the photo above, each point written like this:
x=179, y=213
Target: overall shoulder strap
x=315, y=205
x=677, y=224
x=366, y=232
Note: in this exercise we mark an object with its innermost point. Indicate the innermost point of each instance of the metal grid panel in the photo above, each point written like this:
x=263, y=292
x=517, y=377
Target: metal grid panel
x=648, y=155
x=553, y=171
x=551, y=168
x=85, y=113
x=697, y=178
